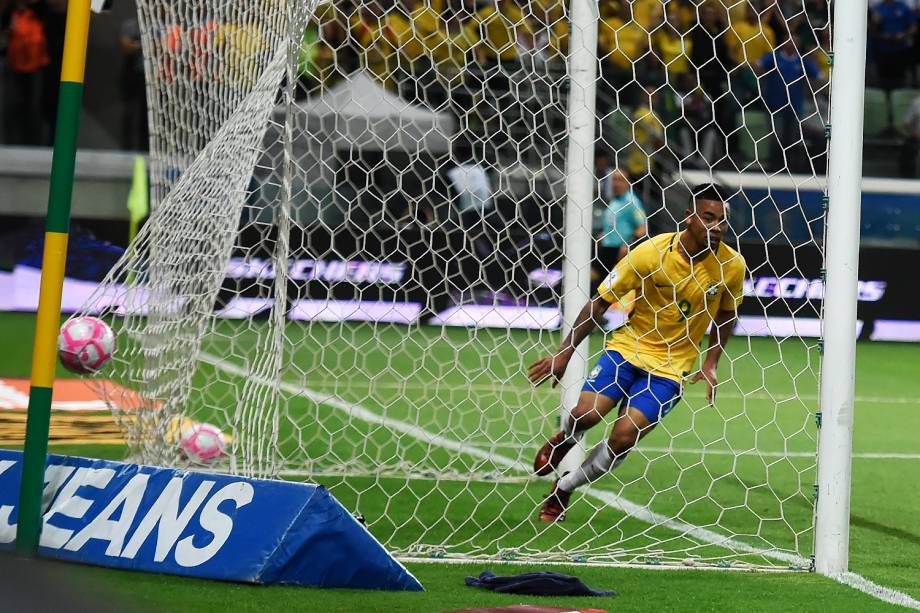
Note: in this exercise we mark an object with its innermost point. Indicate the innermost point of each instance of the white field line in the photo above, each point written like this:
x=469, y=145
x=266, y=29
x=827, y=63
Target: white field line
x=630, y=508
x=516, y=387
x=885, y=594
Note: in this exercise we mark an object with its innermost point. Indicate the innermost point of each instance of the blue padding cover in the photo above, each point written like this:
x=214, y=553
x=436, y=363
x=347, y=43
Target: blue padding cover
x=199, y=525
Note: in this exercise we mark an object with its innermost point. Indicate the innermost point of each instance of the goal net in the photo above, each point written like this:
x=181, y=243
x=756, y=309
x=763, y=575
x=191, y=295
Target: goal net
x=367, y=217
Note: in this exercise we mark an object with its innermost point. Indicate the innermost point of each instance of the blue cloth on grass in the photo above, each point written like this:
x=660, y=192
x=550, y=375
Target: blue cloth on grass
x=536, y=584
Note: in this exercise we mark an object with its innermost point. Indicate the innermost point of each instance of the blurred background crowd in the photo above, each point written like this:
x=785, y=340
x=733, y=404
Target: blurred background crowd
x=688, y=71
x=734, y=85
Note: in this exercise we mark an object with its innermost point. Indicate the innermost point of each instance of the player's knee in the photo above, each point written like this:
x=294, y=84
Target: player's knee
x=585, y=415
x=624, y=437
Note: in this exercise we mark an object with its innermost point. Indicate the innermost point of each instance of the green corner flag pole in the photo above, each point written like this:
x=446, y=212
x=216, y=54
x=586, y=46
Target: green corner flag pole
x=48, y=320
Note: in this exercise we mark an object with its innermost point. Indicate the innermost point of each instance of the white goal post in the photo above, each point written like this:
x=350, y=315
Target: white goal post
x=369, y=217
x=838, y=372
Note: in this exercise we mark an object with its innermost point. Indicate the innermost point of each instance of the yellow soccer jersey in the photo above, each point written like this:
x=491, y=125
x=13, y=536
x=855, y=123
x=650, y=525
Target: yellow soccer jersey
x=674, y=305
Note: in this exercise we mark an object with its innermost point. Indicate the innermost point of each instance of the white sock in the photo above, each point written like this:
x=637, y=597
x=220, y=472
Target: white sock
x=598, y=463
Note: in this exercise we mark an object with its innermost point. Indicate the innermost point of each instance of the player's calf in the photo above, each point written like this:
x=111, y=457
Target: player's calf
x=589, y=411
x=600, y=461
x=609, y=454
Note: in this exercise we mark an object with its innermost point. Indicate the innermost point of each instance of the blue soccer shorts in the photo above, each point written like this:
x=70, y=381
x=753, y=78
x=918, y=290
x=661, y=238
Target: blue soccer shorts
x=617, y=379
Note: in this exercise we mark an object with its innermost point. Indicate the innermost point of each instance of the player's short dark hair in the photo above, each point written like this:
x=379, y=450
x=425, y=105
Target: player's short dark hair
x=708, y=191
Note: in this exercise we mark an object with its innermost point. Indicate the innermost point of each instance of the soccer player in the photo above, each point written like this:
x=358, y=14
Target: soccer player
x=684, y=281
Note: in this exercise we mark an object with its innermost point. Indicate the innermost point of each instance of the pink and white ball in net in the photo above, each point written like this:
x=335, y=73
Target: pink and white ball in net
x=86, y=345
x=202, y=443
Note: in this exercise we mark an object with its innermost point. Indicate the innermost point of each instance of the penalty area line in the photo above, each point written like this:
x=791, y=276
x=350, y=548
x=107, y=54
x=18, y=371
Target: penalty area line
x=630, y=508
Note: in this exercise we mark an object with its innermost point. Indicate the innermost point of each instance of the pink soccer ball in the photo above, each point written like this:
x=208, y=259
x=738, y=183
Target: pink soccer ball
x=86, y=345
x=202, y=443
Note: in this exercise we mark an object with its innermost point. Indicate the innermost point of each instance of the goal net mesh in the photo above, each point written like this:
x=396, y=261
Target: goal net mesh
x=356, y=245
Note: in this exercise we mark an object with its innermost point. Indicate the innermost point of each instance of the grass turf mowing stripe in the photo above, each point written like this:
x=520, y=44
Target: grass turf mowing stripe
x=743, y=452
x=509, y=385
x=628, y=507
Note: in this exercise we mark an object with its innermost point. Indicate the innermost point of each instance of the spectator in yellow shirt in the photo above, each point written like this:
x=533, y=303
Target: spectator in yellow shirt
x=683, y=11
x=624, y=46
x=622, y=40
x=494, y=30
x=672, y=48
x=241, y=47
x=647, y=13
x=371, y=29
x=325, y=56
x=426, y=50
x=424, y=34
x=748, y=39
x=550, y=25
x=395, y=41
x=648, y=135
x=406, y=33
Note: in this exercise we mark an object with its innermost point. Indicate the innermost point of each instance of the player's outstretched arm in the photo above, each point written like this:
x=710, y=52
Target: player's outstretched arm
x=589, y=319
x=722, y=330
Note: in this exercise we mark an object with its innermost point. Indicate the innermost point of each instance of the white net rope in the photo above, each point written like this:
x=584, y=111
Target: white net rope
x=357, y=242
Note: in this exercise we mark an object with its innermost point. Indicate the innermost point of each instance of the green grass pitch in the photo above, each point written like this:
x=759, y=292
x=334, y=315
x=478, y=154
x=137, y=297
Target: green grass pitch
x=767, y=404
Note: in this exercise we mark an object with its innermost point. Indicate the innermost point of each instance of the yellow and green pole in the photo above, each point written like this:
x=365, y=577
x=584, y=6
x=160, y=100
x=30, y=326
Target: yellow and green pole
x=48, y=320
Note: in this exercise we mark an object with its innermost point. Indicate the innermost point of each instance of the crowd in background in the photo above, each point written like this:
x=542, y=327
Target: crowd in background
x=684, y=71
x=690, y=65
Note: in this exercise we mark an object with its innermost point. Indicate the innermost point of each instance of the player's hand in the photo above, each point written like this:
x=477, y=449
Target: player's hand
x=708, y=372
x=550, y=367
